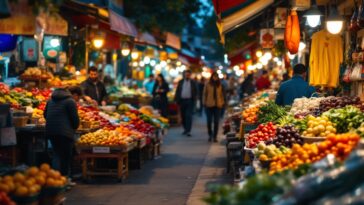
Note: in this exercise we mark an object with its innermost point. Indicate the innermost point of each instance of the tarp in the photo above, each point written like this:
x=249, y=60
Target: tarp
x=122, y=25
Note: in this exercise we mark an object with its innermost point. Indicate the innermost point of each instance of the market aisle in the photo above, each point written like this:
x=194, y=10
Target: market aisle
x=167, y=180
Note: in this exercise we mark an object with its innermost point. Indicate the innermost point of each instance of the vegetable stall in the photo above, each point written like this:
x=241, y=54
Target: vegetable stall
x=286, y=149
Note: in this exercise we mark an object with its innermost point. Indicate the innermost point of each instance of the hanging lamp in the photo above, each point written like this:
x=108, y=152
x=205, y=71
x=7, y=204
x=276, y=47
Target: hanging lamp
x=313, y=15
x=334, y=22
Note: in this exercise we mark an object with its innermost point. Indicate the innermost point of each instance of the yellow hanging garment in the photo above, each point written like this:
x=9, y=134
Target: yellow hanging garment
x=325, y=59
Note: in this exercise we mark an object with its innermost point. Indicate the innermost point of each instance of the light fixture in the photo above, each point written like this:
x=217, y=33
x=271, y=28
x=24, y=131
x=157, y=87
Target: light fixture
x=268, y=55
x=141, y=64
x=146, y=60
x=178, y=63
x=134, y=54
x=98, y=42
x=259, y=65
x=135, y=64
x=264, y=62
x=259, y=53
x=163, y=63
x=301, y=46
x=54, y=42
x=313, y=15
x=183, y=67
x=125, y=49
x=334, y=22
x=275, y=59
x=221, y=76
x=236, y=67
x=153, y=63
x=279, y=63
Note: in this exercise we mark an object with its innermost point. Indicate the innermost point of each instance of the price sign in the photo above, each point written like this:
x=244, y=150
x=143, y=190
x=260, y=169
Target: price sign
x=102, y=150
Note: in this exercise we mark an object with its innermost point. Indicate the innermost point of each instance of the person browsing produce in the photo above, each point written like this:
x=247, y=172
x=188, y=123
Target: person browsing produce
x=93, y=88
x=294, y=88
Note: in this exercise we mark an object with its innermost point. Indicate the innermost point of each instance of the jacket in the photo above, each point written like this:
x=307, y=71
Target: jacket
x=162, y=95
x=262, y=83
x=194, y=92
x=208, y=96
x=61, y=115
x=89, y=89
x=294, y=88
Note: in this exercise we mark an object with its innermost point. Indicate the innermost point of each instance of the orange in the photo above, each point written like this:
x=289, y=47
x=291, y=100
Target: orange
x=32, y=171
x=29, y=182
x=21, y=191
x=19, y=177
x=40, y=180
x=10, y=185
x=33, y=190
x=5, y=188
x=50, y=182
x=8, y=178
x=43, y=174
x=45, y=167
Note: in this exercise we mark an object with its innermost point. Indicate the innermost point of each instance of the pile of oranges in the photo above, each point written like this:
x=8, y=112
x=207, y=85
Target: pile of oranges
x=32, y=181
x=250, y=115
x=338, y=145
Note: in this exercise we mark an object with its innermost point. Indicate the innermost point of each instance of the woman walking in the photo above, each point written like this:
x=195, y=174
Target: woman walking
x=214, y=100
x=160, y=91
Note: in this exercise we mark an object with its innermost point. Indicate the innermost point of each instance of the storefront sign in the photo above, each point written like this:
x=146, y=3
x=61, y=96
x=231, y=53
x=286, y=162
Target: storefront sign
x=101, y=150
x=29, y=50
x=280, y=18
x=22, y=20
x=267, y=38
x=173, y=41
x=301, y=4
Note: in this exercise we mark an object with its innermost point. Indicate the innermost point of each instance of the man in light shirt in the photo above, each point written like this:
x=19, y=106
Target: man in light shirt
x=186, y=95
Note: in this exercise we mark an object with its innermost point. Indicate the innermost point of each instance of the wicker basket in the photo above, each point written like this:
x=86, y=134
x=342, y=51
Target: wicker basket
x=20, y=121
x=311, y=140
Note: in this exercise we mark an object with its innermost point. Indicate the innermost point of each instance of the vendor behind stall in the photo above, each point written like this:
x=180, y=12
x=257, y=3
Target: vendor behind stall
x=93, y=88
x=294, y=88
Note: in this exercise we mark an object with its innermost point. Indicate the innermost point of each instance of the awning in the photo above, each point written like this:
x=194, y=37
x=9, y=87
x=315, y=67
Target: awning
x=122, y=25
x=192, y=59
x=232, y=21
x=224, y=5
x=146, y=38
x=237, y=57
x=173, y=41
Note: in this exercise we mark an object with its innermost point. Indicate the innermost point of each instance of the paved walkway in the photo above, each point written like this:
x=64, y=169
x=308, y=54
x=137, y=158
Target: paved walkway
x=186, y=164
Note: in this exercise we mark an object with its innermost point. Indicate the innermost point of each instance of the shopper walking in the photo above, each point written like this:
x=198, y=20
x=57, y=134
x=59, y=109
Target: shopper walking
x=294, y=88
x=186, y=94
x=61, y=123
x=201, y=86
x=160, y=91
x=247, y=88
x=93, y=88
x=214, y=99
x=263, y=81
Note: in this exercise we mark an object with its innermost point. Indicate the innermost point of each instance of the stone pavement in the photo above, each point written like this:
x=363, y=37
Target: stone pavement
x=186, y=165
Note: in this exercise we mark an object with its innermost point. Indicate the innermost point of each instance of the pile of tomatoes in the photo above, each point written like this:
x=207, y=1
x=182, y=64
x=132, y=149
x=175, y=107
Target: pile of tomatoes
x=264, y=132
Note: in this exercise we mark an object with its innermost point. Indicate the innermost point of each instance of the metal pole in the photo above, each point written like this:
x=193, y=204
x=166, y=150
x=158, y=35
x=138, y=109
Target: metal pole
x=86, y=48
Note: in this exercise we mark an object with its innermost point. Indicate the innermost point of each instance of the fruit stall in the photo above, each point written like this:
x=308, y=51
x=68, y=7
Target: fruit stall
x=123, y=134
x=278, y=154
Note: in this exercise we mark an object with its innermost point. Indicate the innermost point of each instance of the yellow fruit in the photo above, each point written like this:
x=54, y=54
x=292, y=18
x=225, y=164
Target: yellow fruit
x=19, y=177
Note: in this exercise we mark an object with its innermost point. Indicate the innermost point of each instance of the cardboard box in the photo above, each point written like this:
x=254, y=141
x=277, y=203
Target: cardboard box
x=7, y=136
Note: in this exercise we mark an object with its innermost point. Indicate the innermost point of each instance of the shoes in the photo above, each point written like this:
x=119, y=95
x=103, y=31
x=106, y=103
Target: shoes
x=184, y=133
x=210, y=139
x=188, y=134
x=215, y=140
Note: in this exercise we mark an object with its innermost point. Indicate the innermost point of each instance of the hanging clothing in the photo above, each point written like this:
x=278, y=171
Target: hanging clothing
x=325, y=59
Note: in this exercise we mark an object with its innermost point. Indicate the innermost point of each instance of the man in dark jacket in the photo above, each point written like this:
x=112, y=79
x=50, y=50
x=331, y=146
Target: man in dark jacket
x=186, y=95
x=93, y=88
x=61, y=123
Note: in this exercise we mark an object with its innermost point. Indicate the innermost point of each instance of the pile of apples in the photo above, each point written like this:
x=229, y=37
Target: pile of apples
x=31, y=181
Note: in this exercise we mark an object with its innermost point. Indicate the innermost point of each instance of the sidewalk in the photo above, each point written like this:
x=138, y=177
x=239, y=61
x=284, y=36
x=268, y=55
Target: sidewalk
x=213, y=172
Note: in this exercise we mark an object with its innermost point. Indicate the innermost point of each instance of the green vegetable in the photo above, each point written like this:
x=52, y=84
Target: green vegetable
x=346, y=118
x=271, y=112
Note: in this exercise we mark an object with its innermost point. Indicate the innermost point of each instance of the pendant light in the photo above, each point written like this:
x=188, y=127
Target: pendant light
x=313, y=15
x=334, y=22
x=125, y=49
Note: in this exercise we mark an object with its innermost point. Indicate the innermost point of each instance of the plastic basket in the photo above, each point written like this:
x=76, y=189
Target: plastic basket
x=25, y=199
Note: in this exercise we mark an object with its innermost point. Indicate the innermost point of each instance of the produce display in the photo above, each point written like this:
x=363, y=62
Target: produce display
x=286, y=136
x=5, y=199
x=36, y=73
x=338, y=102
x=31, y=181
x=319, y=127
x=119, y=137
x=262, y=133
x=338, y=145
x=304, y=106
x=250, y=115
x=270, y=112
x=266, y=152
x=346, y=118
